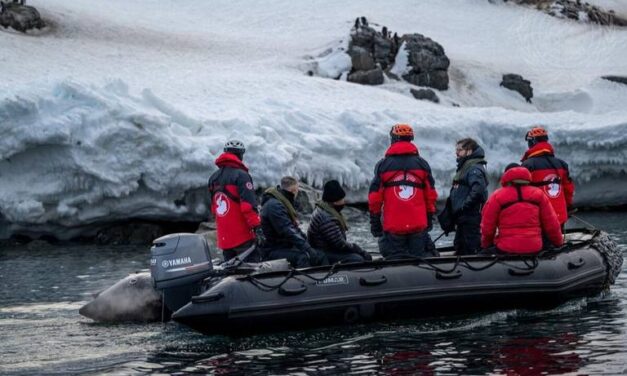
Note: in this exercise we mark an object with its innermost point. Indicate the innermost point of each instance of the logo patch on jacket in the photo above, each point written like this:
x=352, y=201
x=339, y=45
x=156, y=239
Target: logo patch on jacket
x=405, y=192
x=222, y=204
x=553, y=189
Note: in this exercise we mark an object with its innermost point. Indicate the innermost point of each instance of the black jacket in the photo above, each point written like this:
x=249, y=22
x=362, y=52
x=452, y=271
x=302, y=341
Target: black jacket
x=469, y=193
x=326, y=234
x=279, y=229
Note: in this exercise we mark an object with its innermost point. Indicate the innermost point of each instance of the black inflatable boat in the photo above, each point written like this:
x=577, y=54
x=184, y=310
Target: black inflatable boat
x=253, y=301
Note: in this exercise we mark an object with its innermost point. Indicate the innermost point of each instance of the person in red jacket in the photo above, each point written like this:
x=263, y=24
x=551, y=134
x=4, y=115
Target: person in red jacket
x=234, y=205
x=548, y=172
x=402, y=199
x=516, y=216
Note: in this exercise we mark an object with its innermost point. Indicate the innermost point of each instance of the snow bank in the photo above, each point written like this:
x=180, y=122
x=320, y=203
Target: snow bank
x=121, y=109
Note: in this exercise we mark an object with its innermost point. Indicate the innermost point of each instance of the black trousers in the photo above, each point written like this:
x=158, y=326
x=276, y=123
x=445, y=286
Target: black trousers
x=298, y=258
x=231, y=253
x=334, y=257
x=467, y=239
x=393, y=246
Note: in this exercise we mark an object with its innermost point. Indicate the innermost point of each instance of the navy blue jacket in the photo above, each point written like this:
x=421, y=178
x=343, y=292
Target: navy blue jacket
x=470, y=192
x=279, y=229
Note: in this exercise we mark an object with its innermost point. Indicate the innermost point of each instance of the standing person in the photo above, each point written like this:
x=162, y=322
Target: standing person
x=548, y=172
x=280, y=226
x=468, y=195
x=234, y=204
x=402, y=199
x=518, y=216
x=327, y=229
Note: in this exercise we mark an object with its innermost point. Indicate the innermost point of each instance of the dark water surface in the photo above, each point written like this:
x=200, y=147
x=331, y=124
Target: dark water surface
x=41, y=331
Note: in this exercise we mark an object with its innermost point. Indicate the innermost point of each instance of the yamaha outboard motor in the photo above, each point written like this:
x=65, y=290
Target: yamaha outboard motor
x=178, y=265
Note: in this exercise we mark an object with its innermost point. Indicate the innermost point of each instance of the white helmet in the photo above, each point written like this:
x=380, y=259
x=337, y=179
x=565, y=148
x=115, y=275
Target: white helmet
x=235, y=146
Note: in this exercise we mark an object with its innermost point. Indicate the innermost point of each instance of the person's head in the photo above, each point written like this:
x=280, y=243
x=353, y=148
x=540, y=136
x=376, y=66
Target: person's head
x=515, y=174
x=465, y=147
x=235, y=147
x=289, y=184
x=333, y=193
x=510, y=166
x=401, y=132
x=535, y=135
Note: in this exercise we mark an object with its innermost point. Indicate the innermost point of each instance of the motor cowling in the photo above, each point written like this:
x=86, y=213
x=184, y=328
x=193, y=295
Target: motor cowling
x=178, y=265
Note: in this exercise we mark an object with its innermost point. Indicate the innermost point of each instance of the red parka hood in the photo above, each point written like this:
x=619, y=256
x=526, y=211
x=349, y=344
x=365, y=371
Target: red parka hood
x=230, y=160
x=541, y=148
x=516, y=173
x=401, y=148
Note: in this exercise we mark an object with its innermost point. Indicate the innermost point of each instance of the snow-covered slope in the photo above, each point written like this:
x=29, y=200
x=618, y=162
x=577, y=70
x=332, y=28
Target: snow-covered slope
x=121, y=108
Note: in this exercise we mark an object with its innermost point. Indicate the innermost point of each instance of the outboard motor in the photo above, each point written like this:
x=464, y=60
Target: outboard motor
x=178, y=265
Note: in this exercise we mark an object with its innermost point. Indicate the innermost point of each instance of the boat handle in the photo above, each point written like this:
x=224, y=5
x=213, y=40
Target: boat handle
x=289, y=291
x=520, y=273
x=576, y=264
x=372, y=281
x=207, y=298
x=452, y=275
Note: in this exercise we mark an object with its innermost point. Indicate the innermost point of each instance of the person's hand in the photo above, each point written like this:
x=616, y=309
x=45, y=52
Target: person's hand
x=260, y=237
x=376, y=228
x=357, y=249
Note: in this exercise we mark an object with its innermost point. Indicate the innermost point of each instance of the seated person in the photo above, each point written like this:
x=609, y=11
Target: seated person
x=327, y=230
x=279, y=223
x=521, y=213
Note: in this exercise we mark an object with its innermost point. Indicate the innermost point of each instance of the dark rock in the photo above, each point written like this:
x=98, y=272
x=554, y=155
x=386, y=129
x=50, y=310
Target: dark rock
x=361, y=59
x=425, y=94
x=20, y=17
x=428, y=62
x=435, y=79
x=363, y=37
x=576, y=10
x=371, y=77
x=517, y=83
x=618, y=79
x=383, y=51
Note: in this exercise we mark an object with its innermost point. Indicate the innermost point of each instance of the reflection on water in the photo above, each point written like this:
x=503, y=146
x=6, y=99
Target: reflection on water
x=41, y=331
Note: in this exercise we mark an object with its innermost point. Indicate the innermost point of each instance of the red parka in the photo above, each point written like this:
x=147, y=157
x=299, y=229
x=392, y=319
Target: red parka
x=402, y=190
x=233, y=202
x=516, y=215
x=552, y=176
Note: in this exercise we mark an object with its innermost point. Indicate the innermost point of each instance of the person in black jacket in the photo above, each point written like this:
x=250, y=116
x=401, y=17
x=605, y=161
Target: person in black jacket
x=279, y=223
x=468, y=195
x=327, y=229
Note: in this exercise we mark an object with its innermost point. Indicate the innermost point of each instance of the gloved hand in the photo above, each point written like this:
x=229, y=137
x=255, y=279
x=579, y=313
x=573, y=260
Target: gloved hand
x=357, y=249
x=376, y=228
x=260, y=237
x=429, y=222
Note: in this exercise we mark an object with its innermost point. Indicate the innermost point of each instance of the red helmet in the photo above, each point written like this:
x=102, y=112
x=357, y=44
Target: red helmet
x=536, y=132
x=402, y=132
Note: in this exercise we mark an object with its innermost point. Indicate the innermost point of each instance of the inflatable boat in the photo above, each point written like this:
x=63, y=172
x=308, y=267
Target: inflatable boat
x=248, y=299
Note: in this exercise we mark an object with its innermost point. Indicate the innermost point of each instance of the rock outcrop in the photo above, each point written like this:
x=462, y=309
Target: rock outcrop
x=517, y=83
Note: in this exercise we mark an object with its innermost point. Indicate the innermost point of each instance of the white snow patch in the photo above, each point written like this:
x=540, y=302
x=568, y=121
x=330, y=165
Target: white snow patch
x=121, y=109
